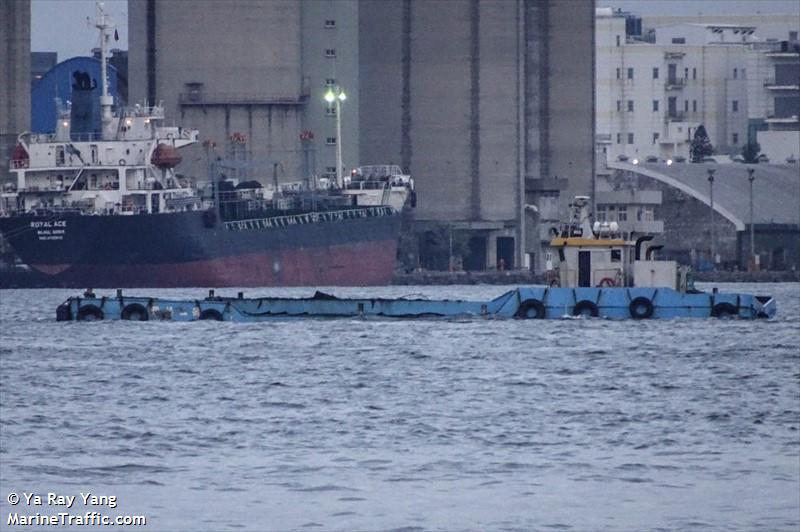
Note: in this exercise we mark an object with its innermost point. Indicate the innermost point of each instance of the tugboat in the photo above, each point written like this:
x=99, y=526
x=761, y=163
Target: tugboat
x=107, y=209
x=600, y=275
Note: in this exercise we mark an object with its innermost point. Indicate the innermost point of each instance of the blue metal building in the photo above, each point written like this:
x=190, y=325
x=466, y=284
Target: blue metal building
x=57, y=83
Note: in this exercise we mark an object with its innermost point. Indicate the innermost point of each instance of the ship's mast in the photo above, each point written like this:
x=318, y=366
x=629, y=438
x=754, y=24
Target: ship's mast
x=106, y=100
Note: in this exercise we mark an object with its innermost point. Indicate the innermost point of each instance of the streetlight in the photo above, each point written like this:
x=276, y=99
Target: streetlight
x=337, y=96
x=711, y=214
x=751, y=178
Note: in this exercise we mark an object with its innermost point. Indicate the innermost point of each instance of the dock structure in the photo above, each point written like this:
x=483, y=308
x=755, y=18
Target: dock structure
x=533, y=302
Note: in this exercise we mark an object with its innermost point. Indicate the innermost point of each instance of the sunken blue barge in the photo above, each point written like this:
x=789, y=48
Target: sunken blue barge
x=535, y=302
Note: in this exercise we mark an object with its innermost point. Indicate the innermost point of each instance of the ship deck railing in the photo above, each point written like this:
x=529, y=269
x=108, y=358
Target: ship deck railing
x=308, y=218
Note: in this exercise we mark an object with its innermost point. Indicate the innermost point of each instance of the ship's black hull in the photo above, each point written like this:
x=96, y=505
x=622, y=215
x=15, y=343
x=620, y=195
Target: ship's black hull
x=184, y=249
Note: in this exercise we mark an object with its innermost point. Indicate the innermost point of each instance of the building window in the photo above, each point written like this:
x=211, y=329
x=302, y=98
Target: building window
x=330, y=82
x=686, y=106
x=330, y=52
x=736, y=138
x=735, y=73
x=622, y=213
x=694, y=73
x=649, y=214
x=330, y=111
x=619, y=73
x=330, y=23
x=618, y=40
x=655, y=105
x=330, y=141
x=630, y=138
x=686, y=73
x=619, y=105
x=630, y=106
x=601, y=213
x=694, y=106
x=619, y=138
x=744, y=73
x=655, y=72
x=679, y=40
x=735, y=106
x=630, y=73
x=612, y=213
x=616, y=255
x=655, y=138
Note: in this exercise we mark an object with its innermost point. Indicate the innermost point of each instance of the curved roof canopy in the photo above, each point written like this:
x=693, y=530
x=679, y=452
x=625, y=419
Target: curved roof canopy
x=776, y=189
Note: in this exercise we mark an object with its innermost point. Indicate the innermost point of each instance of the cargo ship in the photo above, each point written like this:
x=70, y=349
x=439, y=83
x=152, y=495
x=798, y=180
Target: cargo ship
x=107, y=209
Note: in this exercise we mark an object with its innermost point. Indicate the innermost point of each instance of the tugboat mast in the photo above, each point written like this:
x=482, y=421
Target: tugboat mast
x=106, y=100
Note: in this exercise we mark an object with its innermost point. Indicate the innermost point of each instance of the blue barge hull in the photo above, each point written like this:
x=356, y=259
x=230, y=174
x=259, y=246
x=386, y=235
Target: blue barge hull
x=534, y=302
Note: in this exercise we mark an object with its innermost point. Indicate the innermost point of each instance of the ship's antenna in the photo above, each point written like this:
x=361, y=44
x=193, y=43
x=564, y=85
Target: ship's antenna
x=106, y=101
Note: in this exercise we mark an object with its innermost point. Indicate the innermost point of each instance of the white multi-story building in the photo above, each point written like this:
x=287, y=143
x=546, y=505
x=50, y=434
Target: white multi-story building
x=653, y=94
x=774, y=98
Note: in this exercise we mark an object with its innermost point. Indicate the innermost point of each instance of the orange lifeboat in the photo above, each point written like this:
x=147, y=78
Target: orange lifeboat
x=165, y=156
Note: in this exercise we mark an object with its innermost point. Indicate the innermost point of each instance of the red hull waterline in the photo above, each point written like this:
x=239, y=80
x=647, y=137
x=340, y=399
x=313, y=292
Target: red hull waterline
x=361, y=264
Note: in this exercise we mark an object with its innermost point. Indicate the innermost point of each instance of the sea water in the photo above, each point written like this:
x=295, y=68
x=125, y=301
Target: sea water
x=373, y=424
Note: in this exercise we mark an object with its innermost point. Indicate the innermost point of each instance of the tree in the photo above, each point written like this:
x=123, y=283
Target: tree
x=750, y=152
x=701, y=145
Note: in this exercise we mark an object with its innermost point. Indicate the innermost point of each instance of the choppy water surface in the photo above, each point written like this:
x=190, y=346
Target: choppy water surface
x=407, y=425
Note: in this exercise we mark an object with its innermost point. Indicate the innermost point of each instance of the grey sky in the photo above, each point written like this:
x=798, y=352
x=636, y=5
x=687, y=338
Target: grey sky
x=60, y=25
x=705, y=7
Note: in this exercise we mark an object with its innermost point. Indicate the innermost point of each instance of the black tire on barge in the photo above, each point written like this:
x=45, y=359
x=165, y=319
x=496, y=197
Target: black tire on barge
x=586, y=308
x=134, y=312
x=641, y=308
x=531, y=309
x=211, y=314
x=724, y=310
x=90, y=313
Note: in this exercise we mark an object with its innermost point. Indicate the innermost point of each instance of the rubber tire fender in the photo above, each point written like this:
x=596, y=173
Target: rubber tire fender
x=724, y=310
x=211, y=314
x=134, y=309
x=606, y=282
x=641, y=308
x=89, y=313
x=523, y=312
x=584, y=305
x=63, y=313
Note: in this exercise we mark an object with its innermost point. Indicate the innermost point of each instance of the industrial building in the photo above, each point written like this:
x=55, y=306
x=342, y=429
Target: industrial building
x=489, y=105
x=15, y=76
x=250, y=76
x=57, y=83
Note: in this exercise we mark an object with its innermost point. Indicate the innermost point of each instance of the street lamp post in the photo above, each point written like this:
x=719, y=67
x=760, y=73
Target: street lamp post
x=711, y=215
x=751, y=178
x=337, y=96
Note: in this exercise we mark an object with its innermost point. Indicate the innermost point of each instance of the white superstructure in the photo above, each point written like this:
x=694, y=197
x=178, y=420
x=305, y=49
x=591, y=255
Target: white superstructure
x=127, y=168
